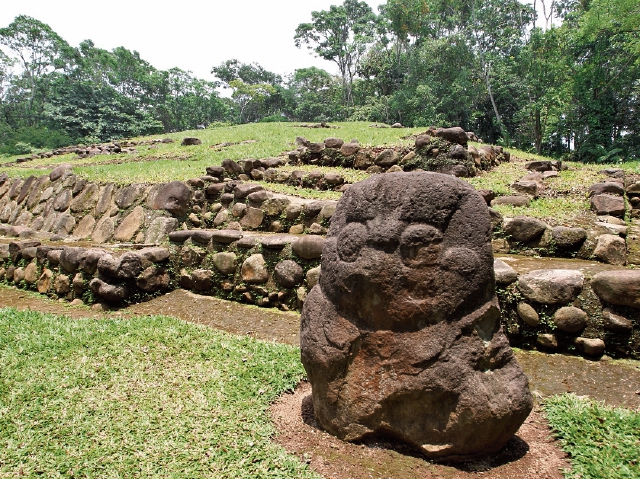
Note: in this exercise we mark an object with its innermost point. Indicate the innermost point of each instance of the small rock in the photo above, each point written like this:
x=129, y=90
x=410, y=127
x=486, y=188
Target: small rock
x=528, y=314
x=505, y=274
x=590, y=346
x=616, y=323
x=570, y=319
x=548, y=341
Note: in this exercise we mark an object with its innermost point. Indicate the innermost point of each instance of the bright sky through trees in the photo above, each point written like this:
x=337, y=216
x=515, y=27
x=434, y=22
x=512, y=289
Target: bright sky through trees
x=191, y=35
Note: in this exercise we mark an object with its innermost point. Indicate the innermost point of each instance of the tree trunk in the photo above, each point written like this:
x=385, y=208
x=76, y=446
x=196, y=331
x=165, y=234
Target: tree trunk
x=505, y=135
x=537, y=131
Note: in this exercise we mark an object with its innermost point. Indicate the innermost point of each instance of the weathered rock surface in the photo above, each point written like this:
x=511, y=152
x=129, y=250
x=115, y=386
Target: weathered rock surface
x=505, y=274
x=570, y=319
x=551, y=286
x=621, y=287
x=523, y=228
x=173, y=197
x=399, y=335
x=611, y=249
x=606, y=204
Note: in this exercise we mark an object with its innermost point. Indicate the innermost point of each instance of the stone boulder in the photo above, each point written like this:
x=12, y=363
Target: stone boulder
x=606, y=204
x=551, y=286
x=608, y=187
x=108, y=292
x=288, y=273
x=173, y=197
x=333, y=143
x=454, y=135
x=505, y=274
x=570, y=319
x=611, y=249
x=540, y=166
x=524, y=229
x=621, y=287
x=191, y=141
x=400, y=332
x=568, y=238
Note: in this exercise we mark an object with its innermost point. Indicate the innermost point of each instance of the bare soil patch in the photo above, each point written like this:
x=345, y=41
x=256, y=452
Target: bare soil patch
x=531, y=454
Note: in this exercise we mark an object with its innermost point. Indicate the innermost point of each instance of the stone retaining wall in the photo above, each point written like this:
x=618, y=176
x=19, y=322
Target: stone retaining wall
x=551, y=309
x=235, y=240
x=567, y=310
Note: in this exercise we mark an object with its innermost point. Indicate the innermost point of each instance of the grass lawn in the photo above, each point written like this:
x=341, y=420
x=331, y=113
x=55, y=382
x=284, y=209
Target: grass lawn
x=145, y=397
x=157, y=397
x=169, y=162
x=603, y=442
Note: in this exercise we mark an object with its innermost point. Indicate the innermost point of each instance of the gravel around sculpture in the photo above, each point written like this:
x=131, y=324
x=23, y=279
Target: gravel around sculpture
x=401, y=336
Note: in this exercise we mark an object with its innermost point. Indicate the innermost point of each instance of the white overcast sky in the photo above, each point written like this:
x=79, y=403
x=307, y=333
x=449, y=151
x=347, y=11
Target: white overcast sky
x=188, y=34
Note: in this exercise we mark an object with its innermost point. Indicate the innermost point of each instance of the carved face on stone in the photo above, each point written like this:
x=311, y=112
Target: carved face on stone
x=405, y=251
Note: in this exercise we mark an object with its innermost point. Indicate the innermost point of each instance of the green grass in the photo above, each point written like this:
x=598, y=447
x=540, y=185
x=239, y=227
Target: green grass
x=604, y=442
x=171, y=161
x=563, y=202
x=145, y=397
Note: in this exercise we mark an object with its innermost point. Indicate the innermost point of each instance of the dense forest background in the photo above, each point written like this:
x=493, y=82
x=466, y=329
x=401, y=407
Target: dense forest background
x=558, y=77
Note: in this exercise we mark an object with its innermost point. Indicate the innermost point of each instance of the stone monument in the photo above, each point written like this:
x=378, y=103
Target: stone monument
x=401, y=337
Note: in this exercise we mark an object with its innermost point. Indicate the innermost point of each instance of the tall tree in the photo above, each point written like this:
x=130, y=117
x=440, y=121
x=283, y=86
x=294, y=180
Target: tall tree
x=341, y=35
x=38, y=51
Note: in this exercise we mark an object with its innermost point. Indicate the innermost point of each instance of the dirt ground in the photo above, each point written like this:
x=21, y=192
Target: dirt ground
x=532, y=453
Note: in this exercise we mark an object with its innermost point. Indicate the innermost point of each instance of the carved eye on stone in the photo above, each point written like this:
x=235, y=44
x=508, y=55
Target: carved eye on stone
x=351, y=240
x=420, y=245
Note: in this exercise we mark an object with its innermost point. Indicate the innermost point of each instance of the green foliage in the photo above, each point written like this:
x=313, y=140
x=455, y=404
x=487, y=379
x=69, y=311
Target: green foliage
x=22, y=148
x=278, y=117
x=143, y=397
x=602, y=441
x=568, y=89
x=37, y=137
x=340, y=35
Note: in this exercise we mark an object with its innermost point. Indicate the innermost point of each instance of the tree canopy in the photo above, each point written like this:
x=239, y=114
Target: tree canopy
x=560, y=77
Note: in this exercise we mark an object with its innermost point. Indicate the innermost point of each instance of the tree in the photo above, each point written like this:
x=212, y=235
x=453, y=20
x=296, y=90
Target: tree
x=495, y=31
x=314, y=95
x=340, y=35
x=250, y=97
x=250, y=73
x=38, y=51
